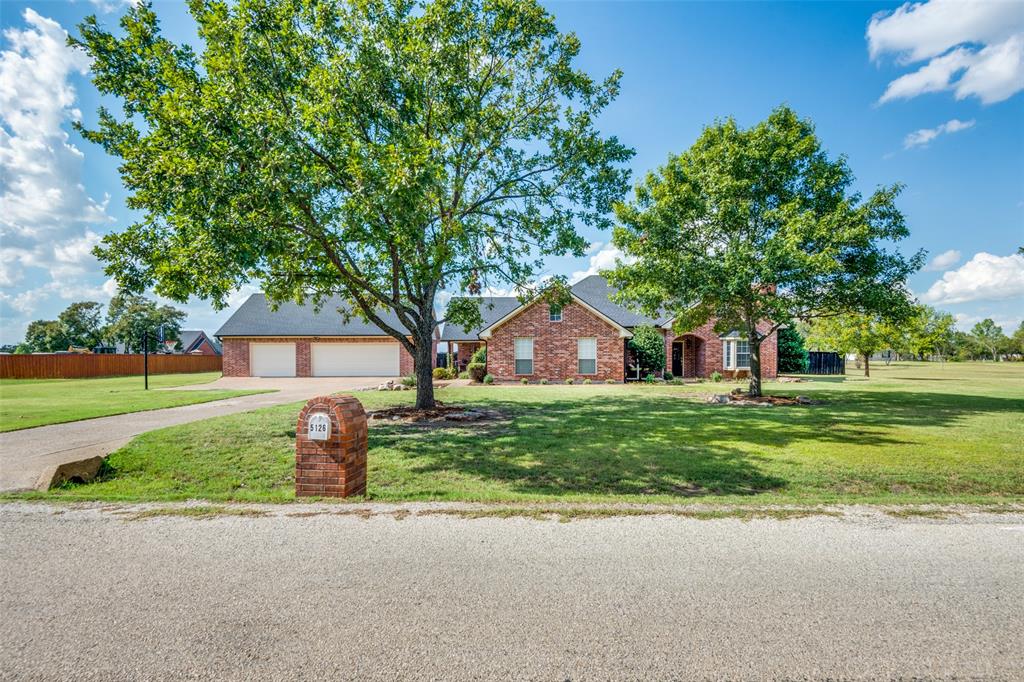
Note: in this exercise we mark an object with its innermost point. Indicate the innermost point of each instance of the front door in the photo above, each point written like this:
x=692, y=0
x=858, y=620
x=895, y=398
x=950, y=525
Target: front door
x=677, y=359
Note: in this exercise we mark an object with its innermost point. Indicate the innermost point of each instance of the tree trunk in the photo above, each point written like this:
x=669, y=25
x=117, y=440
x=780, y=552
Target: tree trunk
x=754, y=341
x=867, y=365
x=424, y=370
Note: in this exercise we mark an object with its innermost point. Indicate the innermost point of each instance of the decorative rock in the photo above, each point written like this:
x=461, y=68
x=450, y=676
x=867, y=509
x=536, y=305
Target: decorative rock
x=804, y=400
x=467, y=416
x=718, y=399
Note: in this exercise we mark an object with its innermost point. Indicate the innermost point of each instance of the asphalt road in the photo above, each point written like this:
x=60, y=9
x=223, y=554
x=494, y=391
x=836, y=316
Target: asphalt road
x=26, y=454
x=92, y=594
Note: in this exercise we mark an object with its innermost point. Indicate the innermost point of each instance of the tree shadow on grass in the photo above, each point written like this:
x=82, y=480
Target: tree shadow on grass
x=665, y=445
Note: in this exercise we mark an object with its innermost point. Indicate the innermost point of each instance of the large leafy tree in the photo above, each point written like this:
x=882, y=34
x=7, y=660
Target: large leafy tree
x=46, y=336
x=853, y=333
x=989, y=336
x=757, y=228
x=377, y=149
x=926, y=332
x=132, y=318
x=82, y=322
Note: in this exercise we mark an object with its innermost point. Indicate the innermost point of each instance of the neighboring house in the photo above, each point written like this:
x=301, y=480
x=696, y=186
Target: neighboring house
x=298, y=341
x=194, y=342
x=587, y=339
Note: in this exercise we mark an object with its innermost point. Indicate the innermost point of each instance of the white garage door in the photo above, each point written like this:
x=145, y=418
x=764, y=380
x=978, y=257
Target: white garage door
x=354, y=359
x=272, y=359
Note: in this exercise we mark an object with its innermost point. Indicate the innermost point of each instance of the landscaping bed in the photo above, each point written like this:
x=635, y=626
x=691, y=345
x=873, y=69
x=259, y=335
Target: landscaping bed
x=439, y=414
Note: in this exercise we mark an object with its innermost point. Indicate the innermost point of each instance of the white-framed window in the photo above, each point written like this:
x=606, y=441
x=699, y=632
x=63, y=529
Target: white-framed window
x=586, y=356
x=736, y=354
x=523, y=348
x=555, y=313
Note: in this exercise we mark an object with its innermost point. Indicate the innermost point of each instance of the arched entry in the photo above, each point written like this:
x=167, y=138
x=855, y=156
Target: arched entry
x=688, y=356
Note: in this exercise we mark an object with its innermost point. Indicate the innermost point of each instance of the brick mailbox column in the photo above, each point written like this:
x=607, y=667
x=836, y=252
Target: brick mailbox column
x=330, y=448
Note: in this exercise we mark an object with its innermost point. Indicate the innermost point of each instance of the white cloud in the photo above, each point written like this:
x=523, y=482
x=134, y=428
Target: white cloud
x=1009, y=323
x=46, y=215
x=983, y=278
x=922, y=137
x=943, y=261
x=973, y=47
x=106, y=6
x=603, y=259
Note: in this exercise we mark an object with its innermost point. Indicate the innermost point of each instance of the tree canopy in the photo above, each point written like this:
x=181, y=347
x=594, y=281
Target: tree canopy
x=760, y=224
x=130, y=316
x=854, y=333
x=989, y=336
x=380, y=149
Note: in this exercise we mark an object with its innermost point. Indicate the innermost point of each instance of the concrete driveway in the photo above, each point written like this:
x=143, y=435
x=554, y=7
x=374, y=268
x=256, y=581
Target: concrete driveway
x=26, y=454
x=370, y=592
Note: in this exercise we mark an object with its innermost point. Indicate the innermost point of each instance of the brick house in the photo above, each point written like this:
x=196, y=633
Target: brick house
x=298, y=341
x=194, y=342
x=587, y=339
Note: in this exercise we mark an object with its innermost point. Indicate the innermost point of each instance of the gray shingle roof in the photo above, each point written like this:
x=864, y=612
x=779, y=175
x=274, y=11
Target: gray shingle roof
x=192, y=337
x=255, y=318
x=595, y=292
x=492, y=309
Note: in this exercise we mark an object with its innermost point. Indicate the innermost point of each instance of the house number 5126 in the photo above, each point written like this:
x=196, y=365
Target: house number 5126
x=319, y=427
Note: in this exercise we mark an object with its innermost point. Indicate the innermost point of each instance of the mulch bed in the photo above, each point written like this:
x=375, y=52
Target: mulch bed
x=439, y=414
x=744, y=400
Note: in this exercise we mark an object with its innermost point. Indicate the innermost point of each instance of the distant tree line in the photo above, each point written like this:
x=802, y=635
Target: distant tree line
x=83, y=325
x=927, y=334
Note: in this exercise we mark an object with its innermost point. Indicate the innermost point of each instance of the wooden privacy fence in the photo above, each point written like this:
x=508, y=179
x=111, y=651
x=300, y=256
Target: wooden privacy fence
x=60, y=366
x=819, y=362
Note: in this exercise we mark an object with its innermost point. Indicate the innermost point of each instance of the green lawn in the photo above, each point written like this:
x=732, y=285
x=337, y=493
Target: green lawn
x=25, y=403
x=913, y=433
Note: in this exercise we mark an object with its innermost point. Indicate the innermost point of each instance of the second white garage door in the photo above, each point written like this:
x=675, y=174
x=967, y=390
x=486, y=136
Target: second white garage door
x=354, y=359
x=272, y=359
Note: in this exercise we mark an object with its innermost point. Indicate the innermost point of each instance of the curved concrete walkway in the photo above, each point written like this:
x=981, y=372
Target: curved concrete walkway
x=26, y=454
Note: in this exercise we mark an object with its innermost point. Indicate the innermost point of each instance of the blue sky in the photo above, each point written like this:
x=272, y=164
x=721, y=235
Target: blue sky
x=930, y=99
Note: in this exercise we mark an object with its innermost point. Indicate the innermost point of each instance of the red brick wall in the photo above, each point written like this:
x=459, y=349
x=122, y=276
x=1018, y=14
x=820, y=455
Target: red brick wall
x=236, y=353
x=204, y=348
x=712, y=352
x=236, y=357
x=335, y=467
x=555, y=345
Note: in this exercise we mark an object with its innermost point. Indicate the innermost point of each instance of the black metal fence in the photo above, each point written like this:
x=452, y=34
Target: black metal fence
x=822, y=362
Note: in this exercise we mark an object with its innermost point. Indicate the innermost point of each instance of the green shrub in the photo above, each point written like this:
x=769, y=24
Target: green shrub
x=587, y=382
x=464, y=375
x=409, y=380
x=476, y=370
x=649, y=379
x=479, y=355
x=488, y=379
x=544, y=382
x=441, y=373
x=716, y=377
x=676, y=381
x=524, y=381
x=792, y=353
x=668, y=376
x=570, y=380
x=610, y=381
x=649, y=346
